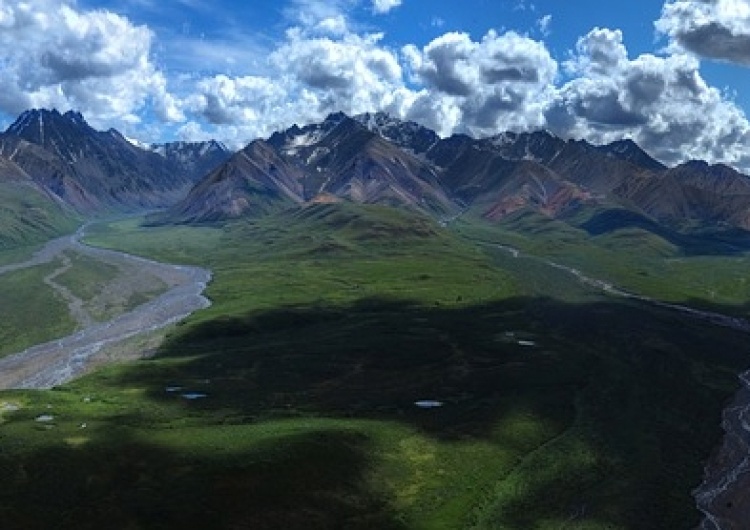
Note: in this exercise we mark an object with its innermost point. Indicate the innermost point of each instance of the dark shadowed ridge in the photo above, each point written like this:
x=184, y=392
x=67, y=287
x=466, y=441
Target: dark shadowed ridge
x=93, y=171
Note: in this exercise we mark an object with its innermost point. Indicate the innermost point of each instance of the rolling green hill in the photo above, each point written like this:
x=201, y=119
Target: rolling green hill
x=292, y=401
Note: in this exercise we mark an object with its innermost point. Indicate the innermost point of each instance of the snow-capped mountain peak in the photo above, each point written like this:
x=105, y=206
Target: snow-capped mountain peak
x=193, y=159
x=406, y=134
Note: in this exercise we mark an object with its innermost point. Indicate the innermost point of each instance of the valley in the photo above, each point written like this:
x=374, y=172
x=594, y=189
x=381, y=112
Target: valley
x=578, y=340
x=544, y=381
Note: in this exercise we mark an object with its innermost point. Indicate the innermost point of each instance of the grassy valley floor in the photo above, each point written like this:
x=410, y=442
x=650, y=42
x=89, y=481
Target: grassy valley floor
x=290, y=403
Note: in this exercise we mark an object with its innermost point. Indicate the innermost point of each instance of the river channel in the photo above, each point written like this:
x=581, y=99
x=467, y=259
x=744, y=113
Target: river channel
x=58, y=361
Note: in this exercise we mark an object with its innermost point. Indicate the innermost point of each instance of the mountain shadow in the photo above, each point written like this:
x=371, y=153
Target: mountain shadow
x=718, y=241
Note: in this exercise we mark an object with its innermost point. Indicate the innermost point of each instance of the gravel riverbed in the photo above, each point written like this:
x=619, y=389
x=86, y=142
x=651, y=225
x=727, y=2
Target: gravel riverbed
x=57, y=361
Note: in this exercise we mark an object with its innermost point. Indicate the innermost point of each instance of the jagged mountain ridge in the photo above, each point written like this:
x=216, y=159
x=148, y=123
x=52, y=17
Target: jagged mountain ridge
x=345, y=159
x=255, y=179
x=337, y=159
x=373, y=158
x=49, y=172
x=714, y=194
x=193, y=159
x=92, y=170
x=512, y=171
x=406, y=134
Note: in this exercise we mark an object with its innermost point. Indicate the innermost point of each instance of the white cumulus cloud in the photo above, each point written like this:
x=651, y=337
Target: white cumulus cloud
x=715, y=29
x=503, y=81
x=54, y=55
x=312, y=76
x=663, y=103
x=384, y=6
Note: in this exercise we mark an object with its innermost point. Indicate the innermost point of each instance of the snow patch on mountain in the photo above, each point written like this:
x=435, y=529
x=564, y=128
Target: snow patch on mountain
x=307, y=138
x=138, y=144
x=408, y=135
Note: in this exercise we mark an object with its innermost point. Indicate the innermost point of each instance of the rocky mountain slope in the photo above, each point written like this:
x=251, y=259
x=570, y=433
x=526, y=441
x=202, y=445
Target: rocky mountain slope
x=29, y=213
x=373, y=158
x=193, y=159
x=95, y=171
x=338, y=159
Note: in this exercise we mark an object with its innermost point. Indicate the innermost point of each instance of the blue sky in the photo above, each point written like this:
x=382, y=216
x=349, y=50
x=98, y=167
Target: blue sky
x=671, y=74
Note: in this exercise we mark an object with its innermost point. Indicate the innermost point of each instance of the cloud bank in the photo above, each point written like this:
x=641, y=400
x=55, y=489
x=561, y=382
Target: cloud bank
x=102, y=64
x=52, y=55
x=714, y=29
x=662, y=103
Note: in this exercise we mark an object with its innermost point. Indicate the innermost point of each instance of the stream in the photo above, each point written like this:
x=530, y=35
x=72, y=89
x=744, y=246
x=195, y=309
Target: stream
x=58, y=361
x=723, y=496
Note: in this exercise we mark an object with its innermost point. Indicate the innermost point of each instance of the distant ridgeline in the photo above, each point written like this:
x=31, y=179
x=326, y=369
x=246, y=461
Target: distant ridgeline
x=74, y=169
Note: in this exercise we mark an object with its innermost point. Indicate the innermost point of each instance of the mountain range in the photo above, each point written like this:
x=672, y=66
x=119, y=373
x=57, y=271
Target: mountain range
x=372, y=159
x=98, y=171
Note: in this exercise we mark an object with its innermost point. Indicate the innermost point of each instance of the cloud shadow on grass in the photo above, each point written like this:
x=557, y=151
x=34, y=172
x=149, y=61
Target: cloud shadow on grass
x=633, y=392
